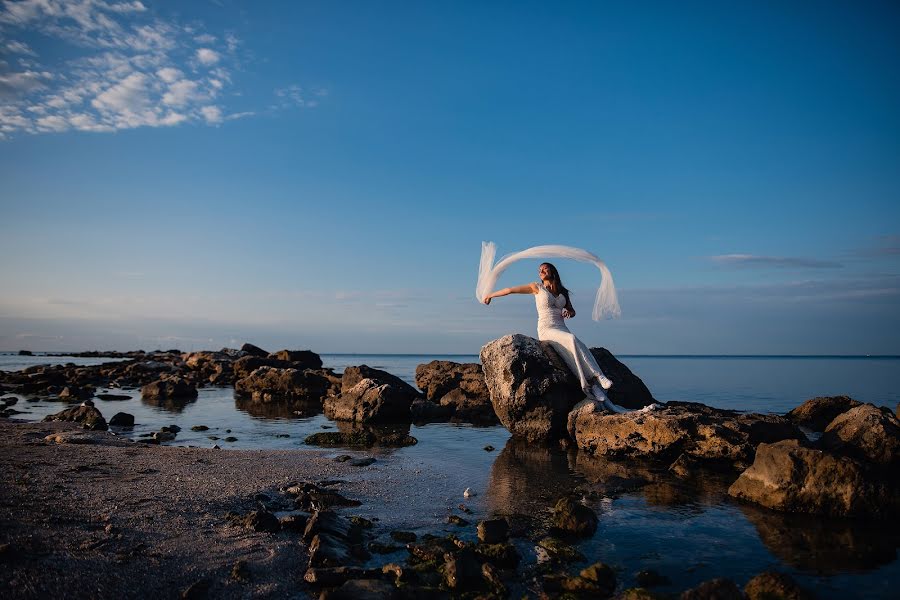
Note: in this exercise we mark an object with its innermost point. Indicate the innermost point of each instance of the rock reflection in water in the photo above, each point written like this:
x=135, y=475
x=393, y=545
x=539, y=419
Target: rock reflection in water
x=173, y=405
x=825, y=547
x=289, y=409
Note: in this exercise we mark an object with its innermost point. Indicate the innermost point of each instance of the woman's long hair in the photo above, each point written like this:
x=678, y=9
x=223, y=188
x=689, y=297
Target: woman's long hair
x=556, y=281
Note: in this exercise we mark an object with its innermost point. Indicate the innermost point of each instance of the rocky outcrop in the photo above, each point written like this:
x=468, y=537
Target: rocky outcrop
x=88, y=416
x=816, y=413
x=867, y=433
x=530, y=389
x=354, y=374
x=122, y=419
x=252, y=350
x=371, y=401
x=275, y=385
x=169, y=388
x=713, y=436
x=301, y=359
x=788, y=476
x=459, y=388
x=628, y=390
x=771, y=584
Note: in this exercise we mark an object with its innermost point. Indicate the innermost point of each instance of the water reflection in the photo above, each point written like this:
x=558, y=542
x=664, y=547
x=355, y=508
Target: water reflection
x=825, y=547
x=298, y=409
x=173, y=405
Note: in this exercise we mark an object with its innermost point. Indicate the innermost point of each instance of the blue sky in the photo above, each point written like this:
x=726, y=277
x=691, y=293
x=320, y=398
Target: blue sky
x=322, y=174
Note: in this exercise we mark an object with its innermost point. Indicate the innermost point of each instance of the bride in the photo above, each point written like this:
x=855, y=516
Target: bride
x=553, y=306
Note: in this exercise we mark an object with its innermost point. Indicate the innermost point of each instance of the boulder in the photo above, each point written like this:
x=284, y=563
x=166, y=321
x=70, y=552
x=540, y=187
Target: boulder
x=531, y=389
x=789, y=477
x=714, y=436
x=169, y=388
x=88, y=416
x=715, y=589
x=628, y=390
x=467, y=408
x=353, y=375
x=270, y=384
x=370, y=401
x=493, y=531
x=573, y=518
x=245, y=365
x=439, y=377
x=252, y=350
x=302, y=359
x=773, y=585
x=816, y=413
x=121, y=419
x=867, y=433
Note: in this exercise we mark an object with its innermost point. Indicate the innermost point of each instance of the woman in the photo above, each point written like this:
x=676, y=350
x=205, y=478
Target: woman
x=553, y=306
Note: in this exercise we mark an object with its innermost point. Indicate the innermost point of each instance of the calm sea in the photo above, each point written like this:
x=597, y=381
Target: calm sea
x=688, y=535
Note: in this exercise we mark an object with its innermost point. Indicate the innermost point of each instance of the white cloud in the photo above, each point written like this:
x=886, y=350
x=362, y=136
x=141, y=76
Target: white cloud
x=16, y=47
x=207, y=56
x=212, y=114
x=133, y=69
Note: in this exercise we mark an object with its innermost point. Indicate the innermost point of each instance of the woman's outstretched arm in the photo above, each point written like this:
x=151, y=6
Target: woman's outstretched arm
x=530, y=288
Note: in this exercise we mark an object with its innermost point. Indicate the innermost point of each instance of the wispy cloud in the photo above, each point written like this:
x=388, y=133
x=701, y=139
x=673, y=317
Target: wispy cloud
x=127, y=69
x=753, y=261
x=885, y=245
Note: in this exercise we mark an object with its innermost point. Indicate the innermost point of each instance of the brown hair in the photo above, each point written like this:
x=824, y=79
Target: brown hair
x=554, y=278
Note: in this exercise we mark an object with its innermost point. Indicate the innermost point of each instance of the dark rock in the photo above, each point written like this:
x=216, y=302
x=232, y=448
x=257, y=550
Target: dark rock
x=559, y=550
x=462, y=571
x=775, y=586
x=573, y=518
x=302, y=359
x=639, y=594
x=199, y=428
x=489, y=448
x=439, y=377
x=269, y=384
x=294, y=522
x=88, y=416
x=816, y=413
x=717, y=437
x=404, y=537
x=597, y=581
x=254, y=350
x=361, y=522
x=171, y=388
x=866, y=433
x=503, y=555
x=359, y=439
x=493, y=531
x=26, y=353
x=370, y=401
x=531, y=392
x=789, y=477
x=425, y=411
x=457, y=520
x=380, y=548
x=231, y=439
x=262, y=520
x=362, y=462
x=122, y=419
x=628, y=390
x=715, y=589
x=71, y=392
x=240, y=571
x=112, y=397
x=430, y=550
x=197, y=590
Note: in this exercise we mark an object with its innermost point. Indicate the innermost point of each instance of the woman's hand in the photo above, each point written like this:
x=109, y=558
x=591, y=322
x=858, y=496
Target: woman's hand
x=566, y=313
x=487, y=300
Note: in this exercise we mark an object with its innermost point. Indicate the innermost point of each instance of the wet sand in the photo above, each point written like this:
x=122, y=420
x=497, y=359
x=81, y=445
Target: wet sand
x=131, y=520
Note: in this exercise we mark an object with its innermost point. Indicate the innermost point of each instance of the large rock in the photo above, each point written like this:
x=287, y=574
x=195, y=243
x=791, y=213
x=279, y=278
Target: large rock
x=354, y=374
x=789, y=477
x=252, y=350
x=531, y=390
x=270, y=384
x=457, y=387
x=88, y=416
x=867, y=433
x=370, y=401
x=714, y=436
x=628, y=390
x=169, y=388
x=817, y=413
x=439, y=377
x=302, y=359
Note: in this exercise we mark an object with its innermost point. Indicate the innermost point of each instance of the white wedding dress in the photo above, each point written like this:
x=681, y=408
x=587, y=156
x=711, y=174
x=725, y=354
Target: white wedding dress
x=552, y=328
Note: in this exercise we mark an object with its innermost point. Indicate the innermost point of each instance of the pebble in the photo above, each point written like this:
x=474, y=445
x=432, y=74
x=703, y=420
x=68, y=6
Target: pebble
x=468, y=493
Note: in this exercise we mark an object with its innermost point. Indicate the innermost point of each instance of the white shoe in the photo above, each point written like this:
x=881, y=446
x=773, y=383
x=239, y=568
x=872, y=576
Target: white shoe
x=605, y=382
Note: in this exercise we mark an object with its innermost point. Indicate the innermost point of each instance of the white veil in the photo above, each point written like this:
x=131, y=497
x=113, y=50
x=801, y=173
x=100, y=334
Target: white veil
x=606, y=303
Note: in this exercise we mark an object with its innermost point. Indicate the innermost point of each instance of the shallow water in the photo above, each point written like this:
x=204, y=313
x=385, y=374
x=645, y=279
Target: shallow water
x=688, y=532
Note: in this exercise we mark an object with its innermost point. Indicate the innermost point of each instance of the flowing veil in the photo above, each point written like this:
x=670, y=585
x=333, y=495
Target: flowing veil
x=605, y=305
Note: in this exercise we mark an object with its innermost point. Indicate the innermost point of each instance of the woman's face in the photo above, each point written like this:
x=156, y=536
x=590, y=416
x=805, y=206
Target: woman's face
x=544, y=272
